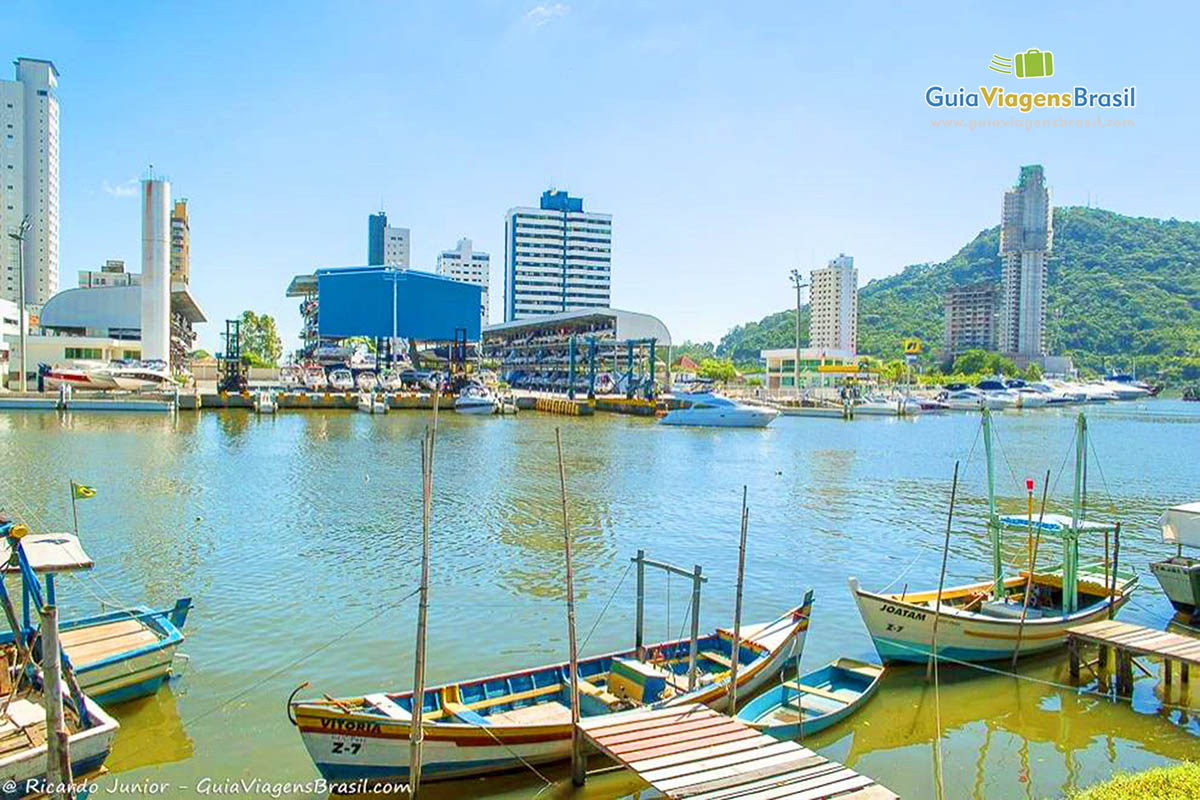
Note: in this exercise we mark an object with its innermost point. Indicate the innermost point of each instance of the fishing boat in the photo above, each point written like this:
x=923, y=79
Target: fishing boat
x=1025, y=613
x=815, y=701
x=475, y=399
x=712, y=410
x=1179, y=575
x=117, y=655
x=341, y=380
x=501, y=722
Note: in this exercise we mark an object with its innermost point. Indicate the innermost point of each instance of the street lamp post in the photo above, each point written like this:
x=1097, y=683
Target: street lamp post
x=20, y=238
x=798, y=282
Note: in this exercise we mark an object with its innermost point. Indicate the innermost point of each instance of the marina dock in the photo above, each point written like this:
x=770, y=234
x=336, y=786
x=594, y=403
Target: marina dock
x=694, y=752
x=1126, y=641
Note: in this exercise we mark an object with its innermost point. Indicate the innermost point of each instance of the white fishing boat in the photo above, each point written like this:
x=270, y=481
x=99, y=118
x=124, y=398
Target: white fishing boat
x=475, y=399
x=341, y=380
x=315, y=379
x=1179, y=575
x=709, y=409
x=366, y=381
x=264, y=402
x=1010, y=613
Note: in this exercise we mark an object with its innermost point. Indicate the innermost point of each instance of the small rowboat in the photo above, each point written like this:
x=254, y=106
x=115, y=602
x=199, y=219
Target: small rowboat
x=817, y=700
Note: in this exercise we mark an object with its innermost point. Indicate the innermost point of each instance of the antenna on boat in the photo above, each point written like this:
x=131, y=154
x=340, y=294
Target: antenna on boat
x=735, y=652
x=417, y=732
x=578, y=758
x=993, y=521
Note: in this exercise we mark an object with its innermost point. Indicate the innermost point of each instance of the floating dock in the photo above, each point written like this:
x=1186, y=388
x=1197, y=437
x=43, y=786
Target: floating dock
x=1127, y=641
x=52, y=402
x=691, y=751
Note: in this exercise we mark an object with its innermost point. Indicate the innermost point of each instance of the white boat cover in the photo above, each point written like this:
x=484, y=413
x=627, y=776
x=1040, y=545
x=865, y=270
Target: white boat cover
x=1181, y=524
x=1055, y=523
x=50, y=552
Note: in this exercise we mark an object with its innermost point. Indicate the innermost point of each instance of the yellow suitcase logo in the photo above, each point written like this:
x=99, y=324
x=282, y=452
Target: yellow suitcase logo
x=1033, y=63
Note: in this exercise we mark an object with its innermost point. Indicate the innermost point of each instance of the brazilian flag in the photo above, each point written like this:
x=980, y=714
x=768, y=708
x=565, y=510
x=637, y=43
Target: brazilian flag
x=83, y=492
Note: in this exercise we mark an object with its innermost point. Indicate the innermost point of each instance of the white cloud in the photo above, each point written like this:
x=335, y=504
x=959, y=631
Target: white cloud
x=539, y=15
x=127, y=189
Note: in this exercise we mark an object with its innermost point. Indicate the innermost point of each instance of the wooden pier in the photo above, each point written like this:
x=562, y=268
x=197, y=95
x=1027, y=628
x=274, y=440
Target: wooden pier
x=691, y=751
x=1126, y=641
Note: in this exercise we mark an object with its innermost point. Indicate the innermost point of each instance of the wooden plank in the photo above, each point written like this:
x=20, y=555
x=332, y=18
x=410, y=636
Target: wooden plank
x=816, y=690
x=653, y=724
x=717, y=658
x=873, y=792
x=94, y=633
x=757, y=786
x=735, y=783
x=694, y=737
x=643, y=734
x=831, y=785
x=596, y=724
x=773, y=765
x=680, y=747
x=697, y=754
x=653, y=776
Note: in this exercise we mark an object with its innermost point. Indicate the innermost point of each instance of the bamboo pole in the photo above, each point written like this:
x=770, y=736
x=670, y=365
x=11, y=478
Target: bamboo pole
x=578, y=758
x=937, y=608
x=58, y=755
x=737, y=611
x=1112, y=598
x=1032, y=564
x=417, y=732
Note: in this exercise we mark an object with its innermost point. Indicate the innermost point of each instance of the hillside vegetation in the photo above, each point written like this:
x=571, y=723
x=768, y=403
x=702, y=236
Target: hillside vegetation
x=1121, y=290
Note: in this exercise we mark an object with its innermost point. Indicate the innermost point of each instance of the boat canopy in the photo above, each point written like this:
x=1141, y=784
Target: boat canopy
x=1181, y=524
x=49, y=552
x=1057, y=523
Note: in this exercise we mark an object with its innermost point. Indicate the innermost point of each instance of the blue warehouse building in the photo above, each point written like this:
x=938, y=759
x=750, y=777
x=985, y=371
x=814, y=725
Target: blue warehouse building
x=385, y=303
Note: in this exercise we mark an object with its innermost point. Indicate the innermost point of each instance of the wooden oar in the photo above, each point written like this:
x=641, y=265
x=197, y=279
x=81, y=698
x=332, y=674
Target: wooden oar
x=1032, y=563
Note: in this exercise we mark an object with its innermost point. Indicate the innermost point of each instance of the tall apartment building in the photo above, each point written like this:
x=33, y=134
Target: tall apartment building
x=386, y=244
x=557, y=257
x=181, y=242
x=833, y=302
x=112, y=273
x=464, y=264
x=972, y=317
x=29, y=179
x=1026, y=238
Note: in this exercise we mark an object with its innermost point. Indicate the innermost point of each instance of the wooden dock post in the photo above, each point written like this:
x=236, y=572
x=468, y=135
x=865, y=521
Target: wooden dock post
x=578, y=757
x=736, y=648
x=58, y=755
x=1073, y=656
x=693, y=646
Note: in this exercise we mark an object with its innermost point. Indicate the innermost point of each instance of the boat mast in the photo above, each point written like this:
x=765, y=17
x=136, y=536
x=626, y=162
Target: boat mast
x=578, y=757
x=1071, y=536
x=993, y=521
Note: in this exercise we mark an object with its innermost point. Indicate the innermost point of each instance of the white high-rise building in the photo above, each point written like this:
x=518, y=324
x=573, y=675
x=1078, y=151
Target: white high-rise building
x=833, y=302
x=156, y=270
x=464, y=264
x=396, y=246
x=1026, y=238
x=29, y=179
x=556, y=258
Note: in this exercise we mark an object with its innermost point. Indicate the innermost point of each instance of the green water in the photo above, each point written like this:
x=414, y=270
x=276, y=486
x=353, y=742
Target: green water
x=298, y=538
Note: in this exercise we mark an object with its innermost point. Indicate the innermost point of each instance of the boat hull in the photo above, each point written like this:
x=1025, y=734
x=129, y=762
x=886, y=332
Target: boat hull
x=903, y=632
x=1179, y=578
x=23, y=773
x=840, y=675
x=355, y=747
x=720, y=418
x=478, y=408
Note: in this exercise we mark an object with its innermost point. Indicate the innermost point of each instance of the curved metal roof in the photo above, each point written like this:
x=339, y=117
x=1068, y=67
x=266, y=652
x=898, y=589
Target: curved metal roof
x=629, y=324
x=94, y=308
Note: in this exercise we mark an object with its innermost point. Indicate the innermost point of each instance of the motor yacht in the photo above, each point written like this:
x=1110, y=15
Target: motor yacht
x=136, y=376
x=291, y=376
x=341, y=380
x=709, y=409
x=1028, y=397
x=996, y=395
x=366, y=381
x=964, y=400
x=315, y=379
x=80, y=376
x=475, y=399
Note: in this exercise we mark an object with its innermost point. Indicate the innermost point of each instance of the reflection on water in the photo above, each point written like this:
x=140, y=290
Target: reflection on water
x=298, y=537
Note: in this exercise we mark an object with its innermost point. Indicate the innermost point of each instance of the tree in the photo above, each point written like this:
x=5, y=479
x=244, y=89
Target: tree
x=200, y=355
x=718, y=369
x=1033, y=373
x=261, y=344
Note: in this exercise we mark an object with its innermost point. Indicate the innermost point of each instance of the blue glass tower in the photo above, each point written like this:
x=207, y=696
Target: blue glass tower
x=375, y=226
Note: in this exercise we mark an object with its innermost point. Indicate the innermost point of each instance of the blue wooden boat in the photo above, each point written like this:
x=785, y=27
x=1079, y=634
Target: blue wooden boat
x=817, y=700
x=118, y=655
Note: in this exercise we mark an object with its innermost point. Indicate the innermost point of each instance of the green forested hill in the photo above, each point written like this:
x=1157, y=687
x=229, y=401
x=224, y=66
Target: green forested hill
x=1118, y=287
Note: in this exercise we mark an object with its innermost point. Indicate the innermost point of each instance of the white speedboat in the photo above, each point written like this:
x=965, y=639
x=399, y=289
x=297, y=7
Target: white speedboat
x=291, y=376
x=1179, y=575
x=332, y=354
x=264, y=402
x=136, y=376
x=1054, y=395
x=964, y=400
x=390, y=380
x=366, y=381
x=1126, y=391
x=874, y=405
x=366, y=403
x=1097, y=392
x=475, y=399
x=1028, y=397
x=709, y=409
x=341, y=380
x=314, y=379
x=79, y=377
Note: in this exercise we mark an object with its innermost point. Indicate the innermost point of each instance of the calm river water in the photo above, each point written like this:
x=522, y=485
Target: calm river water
x=298, y=538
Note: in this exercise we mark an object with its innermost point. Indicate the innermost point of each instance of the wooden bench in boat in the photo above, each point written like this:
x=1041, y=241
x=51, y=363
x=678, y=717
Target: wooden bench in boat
x=97, y=642
x=803, y=687
x=717, y=658
x=24, y=727
x=603, y=695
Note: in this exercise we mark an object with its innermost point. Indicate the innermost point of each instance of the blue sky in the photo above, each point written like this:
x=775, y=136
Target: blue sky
x=731, y=142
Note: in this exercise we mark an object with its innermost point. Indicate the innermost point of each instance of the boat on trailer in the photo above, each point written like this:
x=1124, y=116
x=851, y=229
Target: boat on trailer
x=498, y=723
x=117, y=655
x=994, y=619
x=1179, y=575
x=814, y=701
